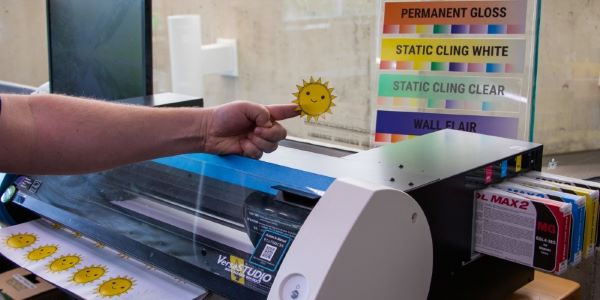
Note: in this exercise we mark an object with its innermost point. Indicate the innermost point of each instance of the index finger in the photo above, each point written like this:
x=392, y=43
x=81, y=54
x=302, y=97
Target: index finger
x=283, y=111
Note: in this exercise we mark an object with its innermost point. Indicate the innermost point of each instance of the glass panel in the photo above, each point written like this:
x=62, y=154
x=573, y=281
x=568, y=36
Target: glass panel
x=188, y=209
x=280, y=44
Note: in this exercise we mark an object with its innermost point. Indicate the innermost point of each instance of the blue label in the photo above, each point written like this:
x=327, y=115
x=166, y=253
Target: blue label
x=418, y=123
x=504, y=168
x=270, y=250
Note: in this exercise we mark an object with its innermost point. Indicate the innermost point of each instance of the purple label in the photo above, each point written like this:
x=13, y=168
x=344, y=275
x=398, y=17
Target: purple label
x=416, y=123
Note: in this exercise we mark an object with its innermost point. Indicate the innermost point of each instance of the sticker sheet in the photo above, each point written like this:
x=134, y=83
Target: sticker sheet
x=87, y=268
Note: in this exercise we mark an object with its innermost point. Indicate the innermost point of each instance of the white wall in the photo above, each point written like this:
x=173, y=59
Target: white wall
x=568, y=101
x=23, y=49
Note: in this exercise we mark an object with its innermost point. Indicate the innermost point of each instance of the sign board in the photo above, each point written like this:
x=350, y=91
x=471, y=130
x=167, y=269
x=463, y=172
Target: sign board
x=465, y=65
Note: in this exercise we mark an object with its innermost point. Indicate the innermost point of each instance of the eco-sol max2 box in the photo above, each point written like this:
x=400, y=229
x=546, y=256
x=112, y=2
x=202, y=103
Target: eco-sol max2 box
x=530, y=231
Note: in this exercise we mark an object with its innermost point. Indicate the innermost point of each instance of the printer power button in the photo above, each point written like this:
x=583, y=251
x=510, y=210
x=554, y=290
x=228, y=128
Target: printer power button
x=294, y=287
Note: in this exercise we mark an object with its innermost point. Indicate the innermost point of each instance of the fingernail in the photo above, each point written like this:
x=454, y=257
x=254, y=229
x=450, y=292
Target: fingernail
x=258, y=130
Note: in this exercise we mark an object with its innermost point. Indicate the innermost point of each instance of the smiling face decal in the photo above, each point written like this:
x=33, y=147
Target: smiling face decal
x=42, y=252
x=116, y=286
x=21, y=240
x=314, y=99
x=88, y=274
x=64, y=263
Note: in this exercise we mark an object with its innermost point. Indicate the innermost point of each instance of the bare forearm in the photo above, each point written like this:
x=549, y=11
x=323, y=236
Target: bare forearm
x=58, y=134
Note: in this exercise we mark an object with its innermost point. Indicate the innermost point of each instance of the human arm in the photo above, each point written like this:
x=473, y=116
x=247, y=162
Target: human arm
x=55, y=134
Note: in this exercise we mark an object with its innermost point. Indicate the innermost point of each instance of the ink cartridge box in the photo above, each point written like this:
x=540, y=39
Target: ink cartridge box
x=530, y=231
x=578, y=213
x=591, y=207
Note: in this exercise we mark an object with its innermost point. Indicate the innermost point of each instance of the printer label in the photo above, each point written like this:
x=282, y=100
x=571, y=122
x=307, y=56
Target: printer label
x=236, y=266
x=270, y=250
x=237, y=270
x=531, y=231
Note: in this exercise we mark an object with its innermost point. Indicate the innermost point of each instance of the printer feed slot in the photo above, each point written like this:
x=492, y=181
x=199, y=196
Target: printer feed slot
x=262, y=213
x=296, y=196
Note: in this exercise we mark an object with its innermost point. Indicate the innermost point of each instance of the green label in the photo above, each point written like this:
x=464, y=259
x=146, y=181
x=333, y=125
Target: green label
x=450, y=87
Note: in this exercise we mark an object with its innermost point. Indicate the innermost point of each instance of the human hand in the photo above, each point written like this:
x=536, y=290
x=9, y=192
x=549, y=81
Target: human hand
x=246, y=128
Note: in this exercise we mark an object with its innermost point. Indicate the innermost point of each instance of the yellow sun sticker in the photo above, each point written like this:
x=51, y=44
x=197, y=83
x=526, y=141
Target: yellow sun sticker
x=42, y=252
x=88, y=274
x=21, y=240
x=115, y=286
x=64, y=263
x=314, y=99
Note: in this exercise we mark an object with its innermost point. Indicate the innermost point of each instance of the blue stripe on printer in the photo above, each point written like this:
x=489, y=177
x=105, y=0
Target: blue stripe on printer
x=249, y=173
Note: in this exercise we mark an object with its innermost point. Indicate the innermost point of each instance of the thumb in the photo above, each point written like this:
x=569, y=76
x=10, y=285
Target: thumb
x=258, y=114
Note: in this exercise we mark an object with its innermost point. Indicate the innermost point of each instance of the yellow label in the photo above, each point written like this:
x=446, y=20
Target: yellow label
x=237, y=269
x=518, y=163
x=591, y=222
x=500, y=51
x=591, y=215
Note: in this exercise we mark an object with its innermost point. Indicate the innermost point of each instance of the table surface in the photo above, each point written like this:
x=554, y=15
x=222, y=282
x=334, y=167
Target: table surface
x=546, y=287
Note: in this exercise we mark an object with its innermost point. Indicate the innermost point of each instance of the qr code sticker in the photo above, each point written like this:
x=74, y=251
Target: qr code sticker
x=268, y=252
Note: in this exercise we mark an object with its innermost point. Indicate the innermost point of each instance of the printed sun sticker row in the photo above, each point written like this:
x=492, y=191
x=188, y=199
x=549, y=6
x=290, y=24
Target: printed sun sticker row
x=115, y=286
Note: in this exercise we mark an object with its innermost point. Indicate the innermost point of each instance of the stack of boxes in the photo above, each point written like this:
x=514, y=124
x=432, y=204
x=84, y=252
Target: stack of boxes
x=542, y=220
